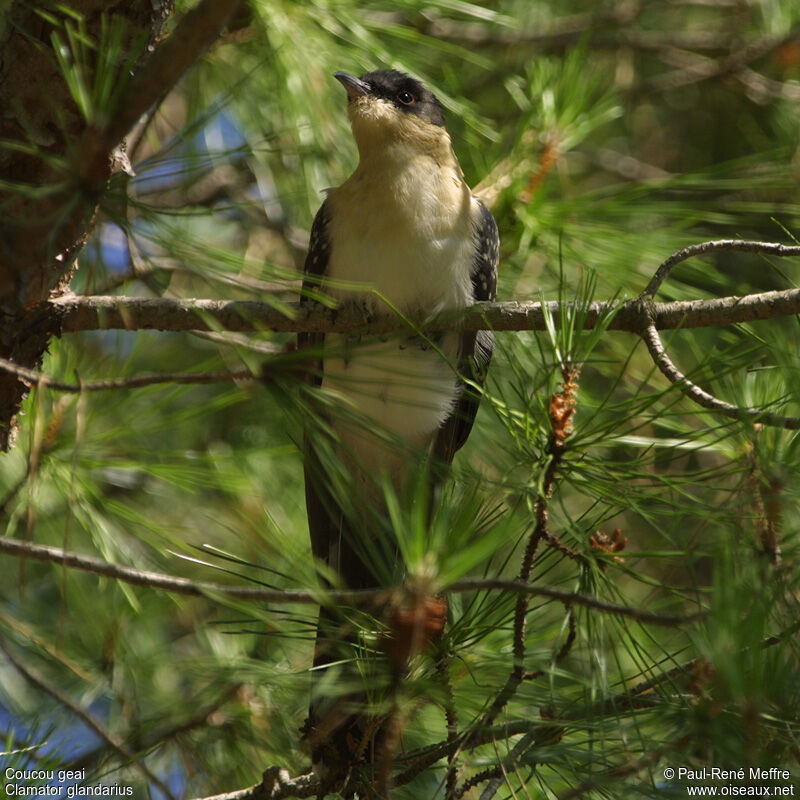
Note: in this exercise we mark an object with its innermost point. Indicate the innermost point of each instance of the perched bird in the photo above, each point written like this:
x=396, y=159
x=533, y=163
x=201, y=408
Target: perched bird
x=403, y=231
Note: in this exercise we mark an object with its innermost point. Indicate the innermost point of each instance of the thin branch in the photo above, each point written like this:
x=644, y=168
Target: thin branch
x=562, y=409
x=552, y=540
x=81, y=313
x=425, y=757
x=5, y=503
x=476, y=780
x=170, y=583
x=35, y=378
x=702, y=69
x=665, y=364
x=568, y=598
x=563, y=31
x=762, y=90
x=625, y=165
x=45, y=646
x=631, y=698
x=710, y=3
x=443, y=664
x=622, y=771
x=511, y=758
x=572, y=633
x=21, y=747
x=571, y=30
x=116, y=744
x=715, y=246
x=241, y=342
x=275, y=785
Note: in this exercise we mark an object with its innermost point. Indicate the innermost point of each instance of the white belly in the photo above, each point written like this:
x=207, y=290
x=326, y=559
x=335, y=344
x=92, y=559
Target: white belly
x=396, y=384
x=403, y=392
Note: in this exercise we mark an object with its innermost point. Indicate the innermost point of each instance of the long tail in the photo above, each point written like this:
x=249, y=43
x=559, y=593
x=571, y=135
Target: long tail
x=341, y=729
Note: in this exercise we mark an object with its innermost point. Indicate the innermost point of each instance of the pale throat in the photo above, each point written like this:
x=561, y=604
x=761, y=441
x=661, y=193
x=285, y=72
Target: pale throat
x=402, y=222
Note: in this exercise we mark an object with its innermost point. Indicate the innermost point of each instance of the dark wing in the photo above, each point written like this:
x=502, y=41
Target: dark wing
x=319, y=251
x=475, y=349
x=330, y=729
x=321, y=515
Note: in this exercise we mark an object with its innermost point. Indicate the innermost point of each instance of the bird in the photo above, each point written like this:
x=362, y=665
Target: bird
x=404, y=231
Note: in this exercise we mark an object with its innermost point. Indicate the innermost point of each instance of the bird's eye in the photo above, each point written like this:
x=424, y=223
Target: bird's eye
x=406, y=98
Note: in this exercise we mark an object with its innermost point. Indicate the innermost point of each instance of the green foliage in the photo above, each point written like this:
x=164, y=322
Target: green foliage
x=597, y=170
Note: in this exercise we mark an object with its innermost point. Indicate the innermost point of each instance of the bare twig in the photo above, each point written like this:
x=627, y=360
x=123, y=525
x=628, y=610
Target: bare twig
x=552, y=540
x=762, y=89
x=275, y=785
x=702, y=397
x=715, y=246
x=701, y=69
x=170, y=583
x=563, y=31
x=599, y=29
x=168, y=314
x=241, y=342
x=36, y=378
x=625, y=165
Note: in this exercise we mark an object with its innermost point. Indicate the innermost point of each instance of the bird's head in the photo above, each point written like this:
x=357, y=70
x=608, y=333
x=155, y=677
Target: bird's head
x=388, y=108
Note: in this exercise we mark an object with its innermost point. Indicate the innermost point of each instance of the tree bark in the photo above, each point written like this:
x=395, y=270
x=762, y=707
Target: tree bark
x=51, y=176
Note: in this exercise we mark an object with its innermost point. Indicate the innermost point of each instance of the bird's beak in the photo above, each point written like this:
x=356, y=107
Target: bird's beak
x=355, y=86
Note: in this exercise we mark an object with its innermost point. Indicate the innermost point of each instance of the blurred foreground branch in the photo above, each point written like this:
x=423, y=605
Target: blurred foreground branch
x=170, y=583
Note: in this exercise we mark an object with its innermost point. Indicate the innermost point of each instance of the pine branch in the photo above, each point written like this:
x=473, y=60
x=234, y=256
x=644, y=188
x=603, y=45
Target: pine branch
x=642, y=316
x=80, y=313
x=170, y=583
x=562, y=408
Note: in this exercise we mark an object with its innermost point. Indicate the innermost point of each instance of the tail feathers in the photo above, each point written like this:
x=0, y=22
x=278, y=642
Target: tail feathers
x=343, y=726
x=350, y=693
